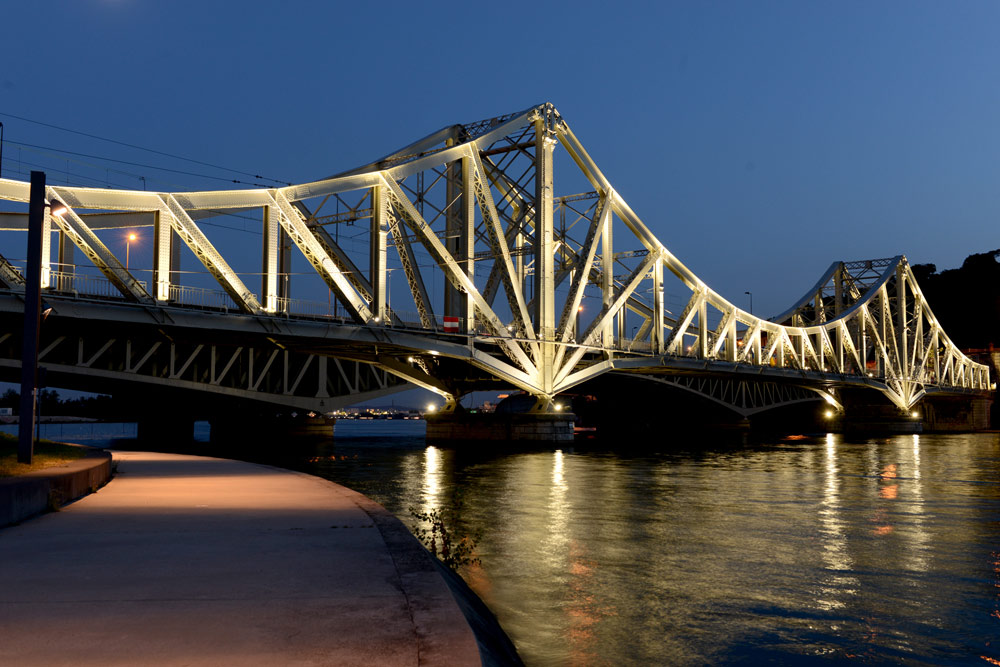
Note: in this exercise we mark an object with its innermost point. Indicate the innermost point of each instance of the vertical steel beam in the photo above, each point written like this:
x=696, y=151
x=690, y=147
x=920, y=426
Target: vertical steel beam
x=163, y=255
x=901, y=342
x=545, y=310
x=863, y=338
x=65, y=256
x=703, y=329
x=454, y=207
x=377, y=260
x=607, y=277
x=468, y=244
x=269, y=261
x=32, y=312
x=730, y=340
x=656, y=336
x=838, y=290
x=284, y=266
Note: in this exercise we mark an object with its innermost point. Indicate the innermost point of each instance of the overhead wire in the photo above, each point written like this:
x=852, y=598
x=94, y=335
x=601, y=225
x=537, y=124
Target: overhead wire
x=133, y=164
x=142, y=148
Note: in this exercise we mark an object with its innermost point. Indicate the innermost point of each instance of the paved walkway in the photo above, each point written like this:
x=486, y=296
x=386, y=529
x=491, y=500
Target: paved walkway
x=184, y=560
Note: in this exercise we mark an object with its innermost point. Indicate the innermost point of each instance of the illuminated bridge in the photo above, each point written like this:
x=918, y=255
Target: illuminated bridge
x=451, y=264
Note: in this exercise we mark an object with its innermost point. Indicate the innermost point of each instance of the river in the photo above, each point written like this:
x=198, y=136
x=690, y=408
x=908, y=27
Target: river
x=795, y=550
x=803, y=550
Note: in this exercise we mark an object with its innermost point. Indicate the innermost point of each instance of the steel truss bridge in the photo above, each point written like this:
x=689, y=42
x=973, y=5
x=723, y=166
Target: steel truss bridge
x=502, y=283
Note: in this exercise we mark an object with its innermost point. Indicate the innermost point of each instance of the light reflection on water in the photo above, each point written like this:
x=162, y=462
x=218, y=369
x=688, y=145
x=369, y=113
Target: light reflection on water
x=871, y=550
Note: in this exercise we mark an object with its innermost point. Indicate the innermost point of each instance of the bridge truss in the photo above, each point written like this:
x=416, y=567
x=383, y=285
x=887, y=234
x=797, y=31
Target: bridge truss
x=502, y=281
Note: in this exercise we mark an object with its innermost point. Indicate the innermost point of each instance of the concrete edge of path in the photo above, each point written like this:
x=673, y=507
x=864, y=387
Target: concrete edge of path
x=29, y=495
x=414, y=562
x=420, y=577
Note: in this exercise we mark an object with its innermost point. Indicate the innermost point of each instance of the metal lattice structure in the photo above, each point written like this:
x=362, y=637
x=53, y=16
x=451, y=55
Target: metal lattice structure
x=464, y=215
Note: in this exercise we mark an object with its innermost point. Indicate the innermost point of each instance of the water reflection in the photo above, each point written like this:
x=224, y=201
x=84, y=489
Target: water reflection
x=835, y=584
x=432, y=484
x=874, y=550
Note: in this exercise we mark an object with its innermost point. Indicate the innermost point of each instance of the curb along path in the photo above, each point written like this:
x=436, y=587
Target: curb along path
x=199, y=561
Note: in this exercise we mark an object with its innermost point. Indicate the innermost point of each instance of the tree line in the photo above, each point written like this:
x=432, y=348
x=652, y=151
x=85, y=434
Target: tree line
x=965, y=300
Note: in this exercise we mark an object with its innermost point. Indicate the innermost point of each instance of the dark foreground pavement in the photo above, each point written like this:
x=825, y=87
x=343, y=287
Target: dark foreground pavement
x=185, y=560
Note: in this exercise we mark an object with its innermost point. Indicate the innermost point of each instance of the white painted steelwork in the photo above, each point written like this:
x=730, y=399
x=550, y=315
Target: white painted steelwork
x=501, y=226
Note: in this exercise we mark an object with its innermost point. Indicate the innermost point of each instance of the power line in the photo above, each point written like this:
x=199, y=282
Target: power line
x=142, y=148
x=59, y=151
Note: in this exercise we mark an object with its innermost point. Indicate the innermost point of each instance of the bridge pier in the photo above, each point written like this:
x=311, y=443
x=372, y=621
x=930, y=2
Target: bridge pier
x=864, y=411
x=256, y=428
x=959, y=413
x=165, y=429
x=499, y=427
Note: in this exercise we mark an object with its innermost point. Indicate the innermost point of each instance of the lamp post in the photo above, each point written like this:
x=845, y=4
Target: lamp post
x=750, y=294
x=128, y=243
x=32, y=320
x=1, y=150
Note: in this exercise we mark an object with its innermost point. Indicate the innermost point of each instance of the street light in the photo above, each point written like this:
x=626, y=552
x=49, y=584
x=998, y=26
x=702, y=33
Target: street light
x=1, y=150
x=128, y=242
x=750, y=294
x=32, y=320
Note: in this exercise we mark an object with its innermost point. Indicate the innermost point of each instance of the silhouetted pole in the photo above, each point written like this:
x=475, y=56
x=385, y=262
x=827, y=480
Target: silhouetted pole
x=32, y=313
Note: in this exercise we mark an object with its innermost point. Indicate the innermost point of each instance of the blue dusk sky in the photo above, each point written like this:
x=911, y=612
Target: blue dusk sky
x=760, y=141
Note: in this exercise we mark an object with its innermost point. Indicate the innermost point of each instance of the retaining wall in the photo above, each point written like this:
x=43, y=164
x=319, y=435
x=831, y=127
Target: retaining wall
x=25, y=496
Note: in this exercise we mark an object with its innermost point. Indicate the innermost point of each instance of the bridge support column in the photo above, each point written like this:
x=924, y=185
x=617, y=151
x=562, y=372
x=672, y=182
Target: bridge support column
x=166, y=257
x=256, y=430
x=166, y=429
x=275, y=260
x=545, y=311
x=955, y=414
x=460, y=426
x=867, y=411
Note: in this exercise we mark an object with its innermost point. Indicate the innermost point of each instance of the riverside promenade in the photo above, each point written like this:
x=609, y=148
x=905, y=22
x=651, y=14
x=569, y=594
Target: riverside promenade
x=184, y=560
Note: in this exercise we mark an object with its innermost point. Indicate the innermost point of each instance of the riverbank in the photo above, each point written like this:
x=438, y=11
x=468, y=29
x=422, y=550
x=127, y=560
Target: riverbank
x=61, y=473
x=195, y=560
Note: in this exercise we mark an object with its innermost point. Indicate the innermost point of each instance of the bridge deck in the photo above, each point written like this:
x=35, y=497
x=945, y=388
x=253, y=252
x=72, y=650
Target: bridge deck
x=189, y=560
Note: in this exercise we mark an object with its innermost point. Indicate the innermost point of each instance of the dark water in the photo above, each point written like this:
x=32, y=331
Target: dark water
x=814, y=550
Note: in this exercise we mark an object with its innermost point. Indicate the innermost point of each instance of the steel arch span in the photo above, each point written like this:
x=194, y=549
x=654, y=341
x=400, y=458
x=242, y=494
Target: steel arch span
x=500, y=280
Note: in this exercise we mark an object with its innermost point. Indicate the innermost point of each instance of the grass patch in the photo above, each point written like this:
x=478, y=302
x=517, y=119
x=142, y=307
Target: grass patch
x=47, y=454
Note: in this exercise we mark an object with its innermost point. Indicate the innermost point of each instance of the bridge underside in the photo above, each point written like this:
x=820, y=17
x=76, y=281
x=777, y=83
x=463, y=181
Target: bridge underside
x=177, y=354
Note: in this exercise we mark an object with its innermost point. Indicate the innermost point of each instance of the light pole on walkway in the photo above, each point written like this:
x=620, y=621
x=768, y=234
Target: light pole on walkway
x=32, y=316
x=750, y=294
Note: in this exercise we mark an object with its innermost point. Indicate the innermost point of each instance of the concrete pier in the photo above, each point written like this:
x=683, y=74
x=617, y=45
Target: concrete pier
x=197, y=561
x=518, y=427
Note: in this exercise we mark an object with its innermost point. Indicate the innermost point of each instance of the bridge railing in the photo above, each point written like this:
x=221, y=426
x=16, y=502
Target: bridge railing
x=201, y=298
x=82, y=284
